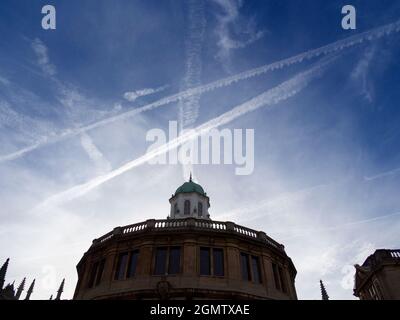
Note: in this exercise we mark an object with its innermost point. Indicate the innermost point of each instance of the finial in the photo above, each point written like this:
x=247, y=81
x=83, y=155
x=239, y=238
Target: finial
x=3, y=272
x=190, y=179
x=30, y=290
x=20, y=289
x=60, y=290
x=323, y=291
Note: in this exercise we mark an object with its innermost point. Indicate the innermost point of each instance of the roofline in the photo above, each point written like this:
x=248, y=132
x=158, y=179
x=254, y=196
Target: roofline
x=176, y=194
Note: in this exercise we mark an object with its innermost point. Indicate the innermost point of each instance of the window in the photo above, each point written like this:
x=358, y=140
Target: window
x=100, y=271
x=282, y=279
x=167, y=257
x=279, y=278
x=377, y=288
x=121, y=266
x=255, y=266
x=132, y=264
x=200, y=209
x=251, y=270
x=187, y=207
x=205, y=262
x=218, y=263
x=126, y=265
x=176, y=208
x=244, y=258
x=276, y=276
x=161, y=256
x=174, y=260
x=211, y=262
x=374, y=291
x=93, y=272
x=96, y=273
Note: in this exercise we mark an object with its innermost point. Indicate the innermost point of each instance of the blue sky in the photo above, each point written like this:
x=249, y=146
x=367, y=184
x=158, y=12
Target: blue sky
x=327, y=160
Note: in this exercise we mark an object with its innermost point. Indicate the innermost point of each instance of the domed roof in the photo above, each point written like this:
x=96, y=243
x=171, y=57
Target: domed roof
x=190, y=186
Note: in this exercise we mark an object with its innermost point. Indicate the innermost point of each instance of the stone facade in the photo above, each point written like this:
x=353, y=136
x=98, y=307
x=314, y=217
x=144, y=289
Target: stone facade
x=186, y=256
x=270, y=272
x=379, y=276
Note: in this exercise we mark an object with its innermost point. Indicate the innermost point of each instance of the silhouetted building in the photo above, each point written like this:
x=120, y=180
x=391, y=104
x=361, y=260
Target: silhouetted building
x=186, y=256
x=8, y=292
x=378, y=278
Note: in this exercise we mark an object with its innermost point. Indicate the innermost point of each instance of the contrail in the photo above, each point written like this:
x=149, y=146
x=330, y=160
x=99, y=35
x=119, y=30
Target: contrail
x=270, y=97
x=341, y=226
x=383, y=174
x=188, y=109
x=336, y=46
x=100, y=162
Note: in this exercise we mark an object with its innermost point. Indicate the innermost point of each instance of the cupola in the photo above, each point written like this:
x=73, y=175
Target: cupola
x=189, y=200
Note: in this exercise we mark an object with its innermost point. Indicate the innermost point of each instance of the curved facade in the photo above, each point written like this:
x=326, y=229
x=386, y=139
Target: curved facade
x=185, y=258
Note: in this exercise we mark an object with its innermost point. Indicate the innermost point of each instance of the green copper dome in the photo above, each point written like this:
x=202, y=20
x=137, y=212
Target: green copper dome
x=190, y=186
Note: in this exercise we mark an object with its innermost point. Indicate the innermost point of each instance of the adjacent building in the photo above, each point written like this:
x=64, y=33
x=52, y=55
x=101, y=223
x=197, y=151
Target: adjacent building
x=378, y=278
x=186, y=256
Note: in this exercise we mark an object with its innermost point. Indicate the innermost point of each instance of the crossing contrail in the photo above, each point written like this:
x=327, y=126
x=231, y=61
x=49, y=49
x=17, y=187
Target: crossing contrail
x=336, y=46
x=282, y=92
x=188, y=109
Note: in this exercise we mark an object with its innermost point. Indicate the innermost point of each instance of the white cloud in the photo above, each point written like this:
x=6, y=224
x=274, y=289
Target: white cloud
x=42, y=56
x=360, y=73
x=233, y=31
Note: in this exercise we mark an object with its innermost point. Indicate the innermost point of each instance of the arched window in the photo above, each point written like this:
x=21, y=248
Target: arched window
x=200, y=209
x=187, y=207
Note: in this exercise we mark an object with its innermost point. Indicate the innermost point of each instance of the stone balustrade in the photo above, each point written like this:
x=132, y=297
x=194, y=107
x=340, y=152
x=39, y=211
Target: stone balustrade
x=189, y=223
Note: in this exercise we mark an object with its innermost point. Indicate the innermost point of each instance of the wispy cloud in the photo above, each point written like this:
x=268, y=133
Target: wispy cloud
x=259, y=209
x=131, y=96
x=383, y=174
x=336, y=46
x=42, y=56
x=360, y=73
x=101, y=163
x=232, y=31
x=4, y=81
x=271, y=97
x=77, y=110
x=302, y=232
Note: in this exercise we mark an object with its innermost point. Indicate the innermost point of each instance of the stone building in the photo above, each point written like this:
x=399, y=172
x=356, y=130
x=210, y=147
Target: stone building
x=186, y=256
x=378, y=278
